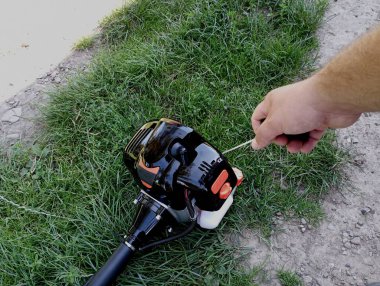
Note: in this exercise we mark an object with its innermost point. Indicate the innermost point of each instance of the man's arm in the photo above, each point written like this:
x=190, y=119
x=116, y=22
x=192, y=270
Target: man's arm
x=332, y=98
x=352, y=79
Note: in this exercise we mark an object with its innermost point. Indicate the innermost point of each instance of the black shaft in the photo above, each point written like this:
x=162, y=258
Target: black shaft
x=113, y=267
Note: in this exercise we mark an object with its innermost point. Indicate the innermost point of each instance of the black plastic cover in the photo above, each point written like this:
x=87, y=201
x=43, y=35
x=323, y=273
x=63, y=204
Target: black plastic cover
x=166, y=157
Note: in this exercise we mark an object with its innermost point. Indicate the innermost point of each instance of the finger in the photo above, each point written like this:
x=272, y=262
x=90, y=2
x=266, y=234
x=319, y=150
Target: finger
x=266, y=133
x=294, y=146
x=260, y=113
x=309, y=145
x=314, y=137
x=281, y=140
x=317, y=134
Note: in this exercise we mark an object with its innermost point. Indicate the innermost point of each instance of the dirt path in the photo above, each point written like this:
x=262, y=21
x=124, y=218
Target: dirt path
x=35, y=36
x=345, y=248
x=18, y=115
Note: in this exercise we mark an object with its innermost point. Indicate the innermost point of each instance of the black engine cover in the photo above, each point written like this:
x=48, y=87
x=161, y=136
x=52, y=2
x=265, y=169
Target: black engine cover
x=166, y=157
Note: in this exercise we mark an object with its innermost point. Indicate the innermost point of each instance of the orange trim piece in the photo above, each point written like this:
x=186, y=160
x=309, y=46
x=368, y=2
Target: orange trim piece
x=153, y=170
x=225, y=191
x=146, y=184
x=239, y=176
x=239, y=181
x=222, y=178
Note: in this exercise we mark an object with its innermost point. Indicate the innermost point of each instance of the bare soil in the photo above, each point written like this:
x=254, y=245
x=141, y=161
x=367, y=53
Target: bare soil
x=36, y=35
x=20, y=115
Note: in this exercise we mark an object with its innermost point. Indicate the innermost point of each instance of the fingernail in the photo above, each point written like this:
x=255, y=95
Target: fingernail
x=254, y=144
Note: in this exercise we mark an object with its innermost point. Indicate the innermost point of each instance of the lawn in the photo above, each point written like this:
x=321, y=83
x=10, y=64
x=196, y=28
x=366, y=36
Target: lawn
x=65, y=200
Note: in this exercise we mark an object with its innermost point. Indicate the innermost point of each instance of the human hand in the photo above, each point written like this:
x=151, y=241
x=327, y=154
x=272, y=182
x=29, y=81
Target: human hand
x=294, y=109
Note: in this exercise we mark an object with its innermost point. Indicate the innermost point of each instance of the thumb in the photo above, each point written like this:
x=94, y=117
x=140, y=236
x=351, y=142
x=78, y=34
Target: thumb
x=266, y=133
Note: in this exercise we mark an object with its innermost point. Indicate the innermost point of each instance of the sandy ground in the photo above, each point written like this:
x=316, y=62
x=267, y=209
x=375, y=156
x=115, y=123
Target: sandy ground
x=20, y=114
x=344, y=248
x=35, y=36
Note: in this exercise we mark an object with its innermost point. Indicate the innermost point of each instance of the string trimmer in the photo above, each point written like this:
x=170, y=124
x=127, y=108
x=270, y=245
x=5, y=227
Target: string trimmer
x=184, y=181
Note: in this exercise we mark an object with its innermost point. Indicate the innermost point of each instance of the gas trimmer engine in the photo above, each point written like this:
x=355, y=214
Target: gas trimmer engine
x=184, y=181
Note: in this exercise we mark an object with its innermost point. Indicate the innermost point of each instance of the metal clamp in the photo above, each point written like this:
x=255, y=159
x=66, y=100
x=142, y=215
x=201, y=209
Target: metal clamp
x=129, y=245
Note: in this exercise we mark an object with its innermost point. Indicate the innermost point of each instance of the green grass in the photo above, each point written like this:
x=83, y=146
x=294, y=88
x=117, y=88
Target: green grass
x=64, y=202
x=288, y=278
x=84, y=43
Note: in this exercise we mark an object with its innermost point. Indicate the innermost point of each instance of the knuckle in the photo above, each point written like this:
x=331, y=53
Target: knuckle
x=269, y=97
